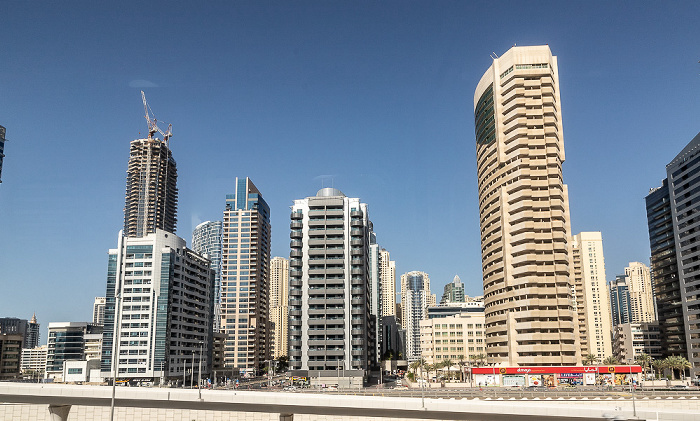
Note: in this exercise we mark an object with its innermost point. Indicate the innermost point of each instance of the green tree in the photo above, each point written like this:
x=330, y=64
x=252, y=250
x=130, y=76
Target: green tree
x=611, y=361
x=461, y=362
x=282, y=363
x=447, y=365
x=645, y=361
x=590, y=359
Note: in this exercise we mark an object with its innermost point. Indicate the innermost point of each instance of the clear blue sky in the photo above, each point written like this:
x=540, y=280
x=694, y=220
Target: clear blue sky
x=378, y=95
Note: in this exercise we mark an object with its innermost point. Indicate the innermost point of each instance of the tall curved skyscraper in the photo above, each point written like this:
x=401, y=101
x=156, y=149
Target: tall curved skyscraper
x=524, y=212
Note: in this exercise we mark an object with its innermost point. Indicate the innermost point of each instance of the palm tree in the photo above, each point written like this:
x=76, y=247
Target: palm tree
x=611, y=361
x=430, y=368
x=659, y=366
x=677, y=363
x=590, y=359
x=448, y=363
x=481, y=358
x=682, y=365
x=645, y=361
x=461, y=362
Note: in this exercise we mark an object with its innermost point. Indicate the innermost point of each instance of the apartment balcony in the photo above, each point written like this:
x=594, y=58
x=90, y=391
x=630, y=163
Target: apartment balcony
x=296, y=225
x=296, y=234
x=356, y=214
x=296, y=215
x=295, y=244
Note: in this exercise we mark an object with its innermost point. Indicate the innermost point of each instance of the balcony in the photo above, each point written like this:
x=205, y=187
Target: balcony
x=296, y=225
x=296, y=215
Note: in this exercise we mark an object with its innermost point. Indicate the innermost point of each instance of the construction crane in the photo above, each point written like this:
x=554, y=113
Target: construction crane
x=153, y=123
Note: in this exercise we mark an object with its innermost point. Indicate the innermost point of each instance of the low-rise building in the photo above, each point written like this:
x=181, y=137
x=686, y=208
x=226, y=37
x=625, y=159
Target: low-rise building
x=455, y=338
x=67, y=342
x=633, y=339
x=33, y=363
x=10, y=351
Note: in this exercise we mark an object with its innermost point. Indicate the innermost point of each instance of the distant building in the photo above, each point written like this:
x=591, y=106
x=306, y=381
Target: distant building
x=207, y=241
x=10, y=353
x=33, y=362
x=2, y=149
x=453, y=292
x=592, y=299
x=166, y=308
x=641, y=293
x=672, y=211
x=66, y=343
x=455, y=338
x=619, y=300
x=245, y=306
x=633, y=339
x=415, y=300
x=387, y=273
x=98, y=311
x=329, y=286
x=279, y=305
x=29, y=330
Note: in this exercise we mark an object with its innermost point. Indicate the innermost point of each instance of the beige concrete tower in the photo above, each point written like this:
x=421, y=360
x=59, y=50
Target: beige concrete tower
x=524, y=212
x=387, y=276
x=592, y=298
x=641, y=294
x=279, y=305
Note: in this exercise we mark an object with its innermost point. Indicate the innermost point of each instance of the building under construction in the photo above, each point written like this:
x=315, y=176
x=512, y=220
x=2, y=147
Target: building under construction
x=151, y=184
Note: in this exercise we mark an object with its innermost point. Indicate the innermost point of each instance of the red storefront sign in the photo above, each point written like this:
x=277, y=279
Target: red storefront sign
x=600, y=369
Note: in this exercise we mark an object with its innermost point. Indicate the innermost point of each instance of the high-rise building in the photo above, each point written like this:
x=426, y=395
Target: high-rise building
x=31, y=340
x=98, y=311
x=329, y=285
x=641, y=293
x=524, y=212
x=453, y=292
x=207, y=241
x=151, y=188
x=415, y=300
x=246, y=278
x=279, y=305
x=619, y=300
x=671, y=216
x=387, y=273
x=592, y=298
x=161, y=294
x=2, y=149
x=665, y=275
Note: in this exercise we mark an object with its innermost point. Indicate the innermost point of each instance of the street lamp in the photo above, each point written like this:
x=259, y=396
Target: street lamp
x=199, y=385
x=115, y=352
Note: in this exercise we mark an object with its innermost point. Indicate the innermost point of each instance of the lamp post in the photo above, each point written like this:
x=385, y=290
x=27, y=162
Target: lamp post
x=192, y=372
x=115, y=352
x=199, y=384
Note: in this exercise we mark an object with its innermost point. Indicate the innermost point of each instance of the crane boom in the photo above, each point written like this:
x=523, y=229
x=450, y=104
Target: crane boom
x=153, y=123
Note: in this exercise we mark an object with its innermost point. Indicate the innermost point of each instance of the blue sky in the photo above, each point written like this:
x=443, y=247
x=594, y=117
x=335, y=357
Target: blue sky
x=376, y=95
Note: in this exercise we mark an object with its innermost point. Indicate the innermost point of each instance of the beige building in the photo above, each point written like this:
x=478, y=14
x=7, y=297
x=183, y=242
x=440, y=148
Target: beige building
x=279, y=305
x=387, y=276
x=641, y=293
x=524, y=212
x=34, y=361
x=452, y=337
x=592, y=298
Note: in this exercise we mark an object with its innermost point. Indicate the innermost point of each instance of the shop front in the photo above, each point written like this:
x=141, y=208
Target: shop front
x=556, y=375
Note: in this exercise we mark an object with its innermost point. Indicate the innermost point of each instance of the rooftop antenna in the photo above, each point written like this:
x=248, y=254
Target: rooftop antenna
x=494, y=56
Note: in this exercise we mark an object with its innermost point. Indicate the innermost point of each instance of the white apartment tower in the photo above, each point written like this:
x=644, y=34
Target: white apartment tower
x=592, y=298
x=329, y=284
x=524, y=212
x=279, y=305
x=160, y=294
x=415, y=300
x=641, y=293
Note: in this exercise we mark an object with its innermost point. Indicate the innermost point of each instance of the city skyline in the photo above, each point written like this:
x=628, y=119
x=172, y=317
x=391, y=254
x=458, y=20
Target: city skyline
x=69, y=184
